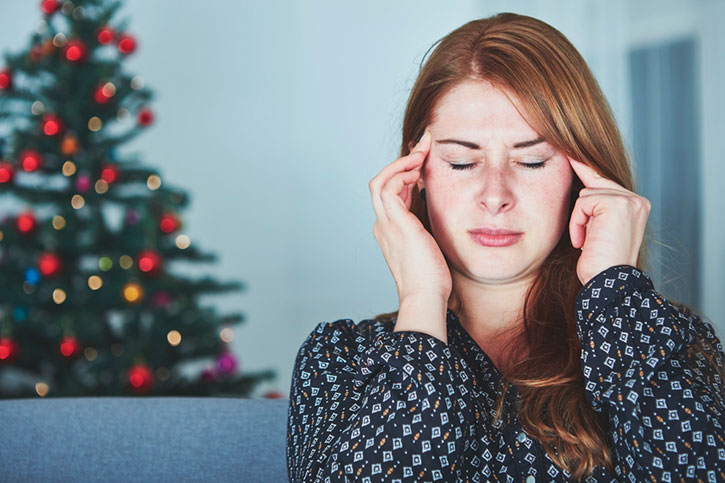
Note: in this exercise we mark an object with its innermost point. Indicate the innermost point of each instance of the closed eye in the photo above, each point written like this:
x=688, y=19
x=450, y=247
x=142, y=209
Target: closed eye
x=533, y=165
x=459, y=167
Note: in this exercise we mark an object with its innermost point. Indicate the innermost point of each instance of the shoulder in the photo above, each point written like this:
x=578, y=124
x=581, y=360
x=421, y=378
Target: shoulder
x=345, y=335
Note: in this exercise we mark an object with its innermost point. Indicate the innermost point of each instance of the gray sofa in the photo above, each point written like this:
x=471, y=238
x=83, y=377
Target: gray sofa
x=143, y=439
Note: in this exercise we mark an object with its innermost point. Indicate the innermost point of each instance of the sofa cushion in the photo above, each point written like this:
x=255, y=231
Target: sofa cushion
x=144, y=439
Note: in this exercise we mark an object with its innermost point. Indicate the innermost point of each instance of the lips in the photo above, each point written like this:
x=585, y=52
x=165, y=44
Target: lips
x=486, y=230
x=497, y=240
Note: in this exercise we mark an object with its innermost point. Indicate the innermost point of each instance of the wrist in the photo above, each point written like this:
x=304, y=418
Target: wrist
x=428, y=298
x=424, y=313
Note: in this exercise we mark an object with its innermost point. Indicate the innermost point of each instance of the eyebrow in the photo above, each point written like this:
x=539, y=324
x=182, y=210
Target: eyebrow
x=470, y=145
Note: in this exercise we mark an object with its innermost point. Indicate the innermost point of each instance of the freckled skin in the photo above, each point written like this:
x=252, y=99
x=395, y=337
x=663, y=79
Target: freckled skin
x=496, y=191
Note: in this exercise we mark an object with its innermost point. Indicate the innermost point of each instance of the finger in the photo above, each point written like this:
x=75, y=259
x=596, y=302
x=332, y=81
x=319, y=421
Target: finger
x=606, y=192
x=406, y=163
x=581, y=215
x=585, y=209
x=411, y=161
x=393, y=203
x=399, y=184
x=406, y=193
x=412, y=147
x=376, y=189
x=409, y=190
x=409, y=195
x=591, y=178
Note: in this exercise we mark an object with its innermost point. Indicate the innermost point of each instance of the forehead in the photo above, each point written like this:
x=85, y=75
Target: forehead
x=480, y=109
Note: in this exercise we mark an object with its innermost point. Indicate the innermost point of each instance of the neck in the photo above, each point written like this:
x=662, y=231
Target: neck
x=491, y=312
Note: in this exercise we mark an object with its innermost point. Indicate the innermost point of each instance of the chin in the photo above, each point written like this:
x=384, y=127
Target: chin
x=502, y=268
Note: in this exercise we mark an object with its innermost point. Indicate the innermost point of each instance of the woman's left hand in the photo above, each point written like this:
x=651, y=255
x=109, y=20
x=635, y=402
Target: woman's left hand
x=607, y=223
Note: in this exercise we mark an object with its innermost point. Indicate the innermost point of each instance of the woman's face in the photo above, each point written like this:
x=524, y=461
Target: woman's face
x=476, y=125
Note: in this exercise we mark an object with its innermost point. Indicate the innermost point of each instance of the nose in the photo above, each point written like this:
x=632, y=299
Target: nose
x=496, y=195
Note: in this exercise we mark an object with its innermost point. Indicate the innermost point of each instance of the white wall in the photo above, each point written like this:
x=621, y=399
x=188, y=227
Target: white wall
x=656, y=21
x=275, y=115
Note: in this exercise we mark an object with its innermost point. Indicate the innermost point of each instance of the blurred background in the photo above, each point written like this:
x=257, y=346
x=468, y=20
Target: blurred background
x=275, y=115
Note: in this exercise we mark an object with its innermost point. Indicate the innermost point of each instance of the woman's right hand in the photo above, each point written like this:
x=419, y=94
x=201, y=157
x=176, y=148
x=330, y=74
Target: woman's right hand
x=412, y=254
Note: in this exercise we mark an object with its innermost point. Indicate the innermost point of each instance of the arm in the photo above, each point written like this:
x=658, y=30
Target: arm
x=396, y=405
x=665, y=406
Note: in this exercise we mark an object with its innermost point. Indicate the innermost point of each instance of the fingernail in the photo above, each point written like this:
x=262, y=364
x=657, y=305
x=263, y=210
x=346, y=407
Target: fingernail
x=423, y=137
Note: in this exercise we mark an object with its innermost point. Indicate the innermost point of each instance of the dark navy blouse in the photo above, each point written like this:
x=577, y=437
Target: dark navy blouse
x=368, y=404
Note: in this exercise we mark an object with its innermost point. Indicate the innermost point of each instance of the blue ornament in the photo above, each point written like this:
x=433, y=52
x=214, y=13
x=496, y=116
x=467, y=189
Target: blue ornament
x=32, y=276
x=20, y=313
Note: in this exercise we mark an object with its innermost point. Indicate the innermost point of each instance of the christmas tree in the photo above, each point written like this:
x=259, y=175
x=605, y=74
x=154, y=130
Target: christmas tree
x=89, y=303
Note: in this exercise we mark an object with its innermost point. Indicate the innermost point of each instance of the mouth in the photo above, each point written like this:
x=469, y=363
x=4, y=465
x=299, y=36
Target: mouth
x=495, y=237
x=487, y=230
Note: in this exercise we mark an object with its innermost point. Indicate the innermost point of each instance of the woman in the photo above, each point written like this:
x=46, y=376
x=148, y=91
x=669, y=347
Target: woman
x=529, y=344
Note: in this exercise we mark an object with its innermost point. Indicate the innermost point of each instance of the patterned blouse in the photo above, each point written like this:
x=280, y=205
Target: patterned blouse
x=368, y=404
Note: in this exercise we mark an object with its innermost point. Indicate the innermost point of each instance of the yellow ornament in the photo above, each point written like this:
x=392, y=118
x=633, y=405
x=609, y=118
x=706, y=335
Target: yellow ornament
x=132, y=292
x=69, y=146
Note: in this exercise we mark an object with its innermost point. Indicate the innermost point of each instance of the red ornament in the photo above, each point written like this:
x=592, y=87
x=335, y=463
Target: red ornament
x=99, y=96
x=103, y=94
x=109, y=173
x=169, y=223
x=36, y=53
x=8, y=350
x=126, y=44
x=48, y=47
x=49, y=264
x=69, y=347
x=52, y=125
x=273, y=395
x=140, y=378
x=145, y=116
x=6, y=172
x=208, y=375
x=149, y=262
x=105, y=35
x=75, y=51
x=49, y=7
x=30, y=160
x=6, y=79
x=26, y=222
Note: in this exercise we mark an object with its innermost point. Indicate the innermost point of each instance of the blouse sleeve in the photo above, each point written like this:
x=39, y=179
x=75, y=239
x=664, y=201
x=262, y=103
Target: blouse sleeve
x=389, y=405
x=665, y=406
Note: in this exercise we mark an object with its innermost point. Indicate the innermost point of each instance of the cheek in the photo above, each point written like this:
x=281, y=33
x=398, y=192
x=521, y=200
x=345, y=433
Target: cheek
x=554, y=196
x=445, y=205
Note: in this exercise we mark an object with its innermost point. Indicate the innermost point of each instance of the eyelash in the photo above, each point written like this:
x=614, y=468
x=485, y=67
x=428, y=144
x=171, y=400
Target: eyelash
x=461, y=167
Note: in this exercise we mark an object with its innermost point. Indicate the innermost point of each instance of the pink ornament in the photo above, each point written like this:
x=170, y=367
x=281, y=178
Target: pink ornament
x=226, y=363
x=132, y=217
x=83, y=183
x=161, y=299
